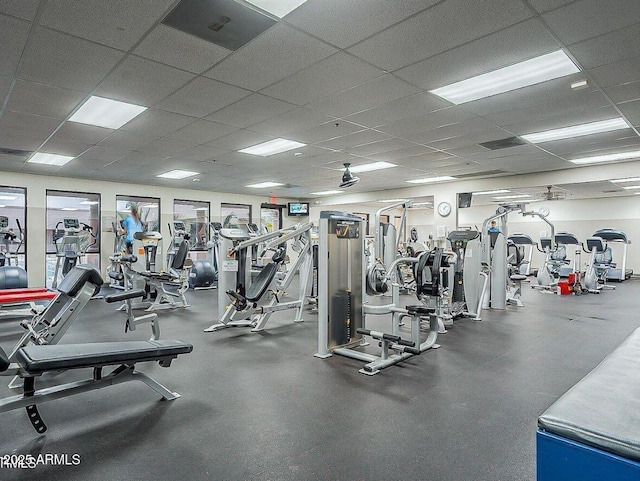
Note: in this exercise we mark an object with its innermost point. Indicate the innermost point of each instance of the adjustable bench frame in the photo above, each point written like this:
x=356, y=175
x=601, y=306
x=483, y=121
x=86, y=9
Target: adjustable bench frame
x=124, y=372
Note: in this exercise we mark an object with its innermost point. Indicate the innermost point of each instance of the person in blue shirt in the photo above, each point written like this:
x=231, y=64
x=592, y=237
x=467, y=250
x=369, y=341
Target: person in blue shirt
x=494, y=227
x=131, y=225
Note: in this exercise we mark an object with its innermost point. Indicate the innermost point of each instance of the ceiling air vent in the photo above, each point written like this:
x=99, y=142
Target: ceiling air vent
x=15, y=152
x=480, y=174
x=502, y=143
x=224, y=22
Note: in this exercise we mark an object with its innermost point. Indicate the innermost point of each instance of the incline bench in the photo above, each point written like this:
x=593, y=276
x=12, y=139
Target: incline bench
x=35, y=360
x=593, y=431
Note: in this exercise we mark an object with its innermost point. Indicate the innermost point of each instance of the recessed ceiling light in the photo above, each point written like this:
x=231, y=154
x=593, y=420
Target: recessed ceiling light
x=430, y=180
x=370, y=167
x=489, y=192
x=275, y=146
x=279, y=8
x=2, y=206
x=264, y=185
x=327, y=192
x=49, y=159
x=607, y=157
x=580, y=84
x=195, y=180
x=69, y=208
x=108, y=113
x=530, y=72
x=89, y=202
x=8, y=197
x=514, y=196
x=615, y=181
x=631, y=187
x=576, y=131
x=177, y=174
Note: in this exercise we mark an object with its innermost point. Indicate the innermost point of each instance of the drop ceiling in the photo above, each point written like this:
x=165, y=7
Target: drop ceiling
x=348, y=78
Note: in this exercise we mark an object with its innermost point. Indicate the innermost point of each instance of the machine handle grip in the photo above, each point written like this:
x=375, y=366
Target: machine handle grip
x=405, y=342
x=123, y=296
x=413, y=350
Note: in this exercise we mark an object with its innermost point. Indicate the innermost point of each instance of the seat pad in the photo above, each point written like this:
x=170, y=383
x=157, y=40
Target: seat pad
x=54, y=357
x=602, y=409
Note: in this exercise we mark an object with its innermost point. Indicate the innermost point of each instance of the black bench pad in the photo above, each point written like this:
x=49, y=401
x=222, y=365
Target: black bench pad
x=602, y=409
x=38, y=359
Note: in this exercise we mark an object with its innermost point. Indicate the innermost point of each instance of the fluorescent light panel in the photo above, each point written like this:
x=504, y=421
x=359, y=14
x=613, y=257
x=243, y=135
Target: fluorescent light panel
x=615, y=181
x=356, y=169
x=489, y=192
x=108, y=113
x=69, y=208
x=279, y=8
x=7, y=197
x=264, y=185
x=177, y=174
x=327, y=192
x=631, y=187
x=275, y=146
x=514, y=196
x=530, y=72
x=49, y=159
x=430, y=180
x=576, y=131
x=607, y=157
x=89, y=202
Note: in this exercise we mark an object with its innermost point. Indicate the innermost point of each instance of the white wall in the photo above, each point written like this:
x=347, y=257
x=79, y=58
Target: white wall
x=37, y=186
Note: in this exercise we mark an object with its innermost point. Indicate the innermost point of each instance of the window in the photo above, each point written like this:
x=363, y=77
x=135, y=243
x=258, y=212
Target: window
x=73, y=223
x=235, y=214
x=365, y=217
x=271, y=217
x=195, y=216
x=148, y=208
x=13, y=207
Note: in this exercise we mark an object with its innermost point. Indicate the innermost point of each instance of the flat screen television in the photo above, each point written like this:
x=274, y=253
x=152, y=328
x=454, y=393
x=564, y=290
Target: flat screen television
x=298, y=209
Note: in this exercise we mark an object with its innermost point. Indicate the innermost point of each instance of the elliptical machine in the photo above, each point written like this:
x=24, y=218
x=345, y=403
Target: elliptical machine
x=72, y=242
x=204, y=273
x=8, y=238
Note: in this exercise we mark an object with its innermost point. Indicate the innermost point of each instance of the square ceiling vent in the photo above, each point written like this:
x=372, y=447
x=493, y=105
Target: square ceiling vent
x=224, y=22
x=502, y=143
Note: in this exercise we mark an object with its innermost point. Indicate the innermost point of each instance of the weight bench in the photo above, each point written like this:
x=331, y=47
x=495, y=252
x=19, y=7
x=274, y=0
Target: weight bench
x=35, y=360
x=593, y=431
x=12, y=301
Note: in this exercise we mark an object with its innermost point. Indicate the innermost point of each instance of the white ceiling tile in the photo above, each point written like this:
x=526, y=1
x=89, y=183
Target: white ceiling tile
x=86, y=134
x=608, y=48
x=624, y=93
x=574, y=102
x=395, y=155
x=630, y=109
x=25, y=9
x=39, y=99
x=57, y=59
x=404, y=108
x=202, y=152
x=13, y=36
x=338, y=72
x=429, y=121
x=127, y=140
x=165, y=147
x=202, y=97
x=138, y=160
x=239, y=140
x=116, y=23
x=274, y=55
x=345, y=23
x=251, y=110
x=616, y=73
x=11, y=139
x=380, y=146
x=470, y=139
x=179, y=49
x=456, y=132
x=444, y=26
x=511, y=45
x=64, y=147
x=5, y=84
x=101, y=154
x=28, y=125
x=589, y=18
x=201, y=132
x=365, y=96
x=142, y=82
x=292, y=121
x=594, y=144
x=157, y=123
x=327, y=131
x=543, y=6
x=355, y=139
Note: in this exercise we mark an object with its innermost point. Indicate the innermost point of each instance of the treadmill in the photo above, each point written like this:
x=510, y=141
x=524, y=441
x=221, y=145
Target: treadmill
x=618, y=271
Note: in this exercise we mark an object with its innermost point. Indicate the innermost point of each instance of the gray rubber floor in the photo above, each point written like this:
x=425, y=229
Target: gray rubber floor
x=261, y=407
